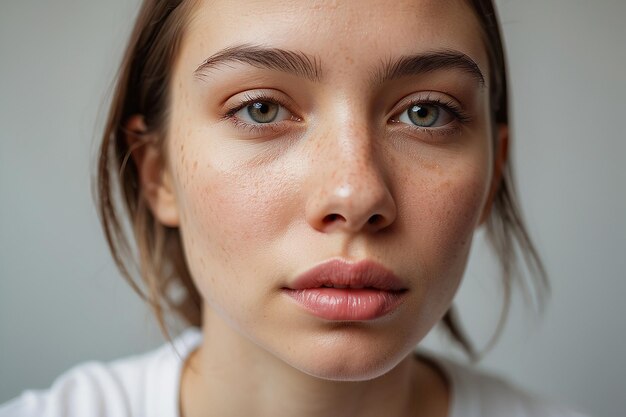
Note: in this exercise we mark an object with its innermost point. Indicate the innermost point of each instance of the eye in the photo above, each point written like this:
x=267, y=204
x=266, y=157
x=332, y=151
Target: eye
x=262, y=112
x=426, y=115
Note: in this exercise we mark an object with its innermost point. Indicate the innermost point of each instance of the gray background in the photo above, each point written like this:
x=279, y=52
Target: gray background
x=62, y=301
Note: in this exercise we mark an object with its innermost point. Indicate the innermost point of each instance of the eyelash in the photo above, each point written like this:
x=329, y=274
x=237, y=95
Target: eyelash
x=460, y=117
x=246, y=101
x=448, y=105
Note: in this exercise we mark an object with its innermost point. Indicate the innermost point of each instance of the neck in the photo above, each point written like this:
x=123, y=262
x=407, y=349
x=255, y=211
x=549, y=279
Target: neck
x=229, y=375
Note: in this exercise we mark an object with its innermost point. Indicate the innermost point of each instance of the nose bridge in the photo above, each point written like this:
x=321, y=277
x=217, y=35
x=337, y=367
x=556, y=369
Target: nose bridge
x=350, y=153
x=349, y=190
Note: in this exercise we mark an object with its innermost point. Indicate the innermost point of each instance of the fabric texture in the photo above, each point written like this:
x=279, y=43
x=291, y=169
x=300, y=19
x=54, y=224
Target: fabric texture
x=147, y=385
x=478, y=394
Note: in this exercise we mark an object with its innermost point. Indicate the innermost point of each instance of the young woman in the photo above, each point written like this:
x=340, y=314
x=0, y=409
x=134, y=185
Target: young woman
x=302, y=181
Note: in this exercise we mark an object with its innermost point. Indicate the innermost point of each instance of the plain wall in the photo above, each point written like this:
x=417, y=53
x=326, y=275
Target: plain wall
x=63, y=302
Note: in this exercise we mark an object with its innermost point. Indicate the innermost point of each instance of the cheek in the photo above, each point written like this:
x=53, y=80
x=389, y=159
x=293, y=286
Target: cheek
x=444, y=212
x=228, y=216
x=452, y=206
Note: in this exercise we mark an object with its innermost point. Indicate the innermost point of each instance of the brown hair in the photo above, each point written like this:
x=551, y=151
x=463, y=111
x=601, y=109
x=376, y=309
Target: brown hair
x=154, y=252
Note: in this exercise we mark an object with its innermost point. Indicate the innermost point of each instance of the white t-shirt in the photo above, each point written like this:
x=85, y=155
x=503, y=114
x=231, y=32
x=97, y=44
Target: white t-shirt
x=148, y=386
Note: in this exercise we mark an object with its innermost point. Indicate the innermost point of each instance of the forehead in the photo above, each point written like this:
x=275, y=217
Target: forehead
x=338, y=32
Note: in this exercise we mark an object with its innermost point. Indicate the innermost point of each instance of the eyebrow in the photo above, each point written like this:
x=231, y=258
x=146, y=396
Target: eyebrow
x=294, y=62
x=428, y=62
x=309, y=67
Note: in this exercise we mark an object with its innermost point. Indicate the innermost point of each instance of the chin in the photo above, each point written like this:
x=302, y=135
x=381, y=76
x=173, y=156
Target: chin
x=353, y=362
x=351, y=371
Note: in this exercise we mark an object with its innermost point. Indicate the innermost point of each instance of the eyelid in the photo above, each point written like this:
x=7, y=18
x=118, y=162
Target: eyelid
x=444, y=101
x=240, y=101
x=247, y=98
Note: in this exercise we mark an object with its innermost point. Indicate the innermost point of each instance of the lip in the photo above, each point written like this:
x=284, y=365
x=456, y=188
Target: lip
x=347, y=291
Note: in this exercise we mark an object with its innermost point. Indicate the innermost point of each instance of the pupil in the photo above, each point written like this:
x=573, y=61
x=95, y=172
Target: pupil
x=262, y=107
x=263, y=111
x=425, y=115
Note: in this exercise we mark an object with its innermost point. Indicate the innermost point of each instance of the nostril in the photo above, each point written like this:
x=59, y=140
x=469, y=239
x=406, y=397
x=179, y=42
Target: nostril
x=330, y=218
x=376, y=218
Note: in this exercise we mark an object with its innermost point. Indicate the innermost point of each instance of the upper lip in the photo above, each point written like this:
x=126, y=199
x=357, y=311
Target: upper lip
x=344, y=274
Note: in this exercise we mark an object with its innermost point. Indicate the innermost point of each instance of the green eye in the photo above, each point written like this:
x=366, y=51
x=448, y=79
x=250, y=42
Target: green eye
x=255, y=112
x=263, y=111
x=423, y=115
x=426, y=115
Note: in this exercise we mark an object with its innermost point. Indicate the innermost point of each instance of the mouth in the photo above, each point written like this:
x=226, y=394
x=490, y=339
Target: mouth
x=343, y=291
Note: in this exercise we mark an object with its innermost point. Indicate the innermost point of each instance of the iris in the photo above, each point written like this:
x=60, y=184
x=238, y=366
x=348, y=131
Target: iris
x=263, y=112
x=423, y=115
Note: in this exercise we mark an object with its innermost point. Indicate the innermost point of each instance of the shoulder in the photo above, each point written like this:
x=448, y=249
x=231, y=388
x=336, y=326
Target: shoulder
x=481, y=394
x=120, y=388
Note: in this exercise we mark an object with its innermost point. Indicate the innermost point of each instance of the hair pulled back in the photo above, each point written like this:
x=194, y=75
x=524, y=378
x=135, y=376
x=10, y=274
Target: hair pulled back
x=150, y=255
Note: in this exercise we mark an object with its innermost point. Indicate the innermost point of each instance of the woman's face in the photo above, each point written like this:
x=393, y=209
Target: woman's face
x=328, y=130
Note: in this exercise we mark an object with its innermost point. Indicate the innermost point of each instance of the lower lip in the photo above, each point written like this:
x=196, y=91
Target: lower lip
x=344, y=304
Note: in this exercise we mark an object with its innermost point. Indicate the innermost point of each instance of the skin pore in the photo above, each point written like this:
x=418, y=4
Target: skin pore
x=363, y=159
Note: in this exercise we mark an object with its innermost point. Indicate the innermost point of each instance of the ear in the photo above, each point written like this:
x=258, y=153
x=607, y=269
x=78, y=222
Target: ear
x=155, y=179
x=499, y=164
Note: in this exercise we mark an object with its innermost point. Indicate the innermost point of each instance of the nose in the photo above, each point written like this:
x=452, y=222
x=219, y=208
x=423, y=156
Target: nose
x=348, y=191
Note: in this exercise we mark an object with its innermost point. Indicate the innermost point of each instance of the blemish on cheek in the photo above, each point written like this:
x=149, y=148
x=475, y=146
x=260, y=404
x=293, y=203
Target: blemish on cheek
x=181, y=150
x=430, y=165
